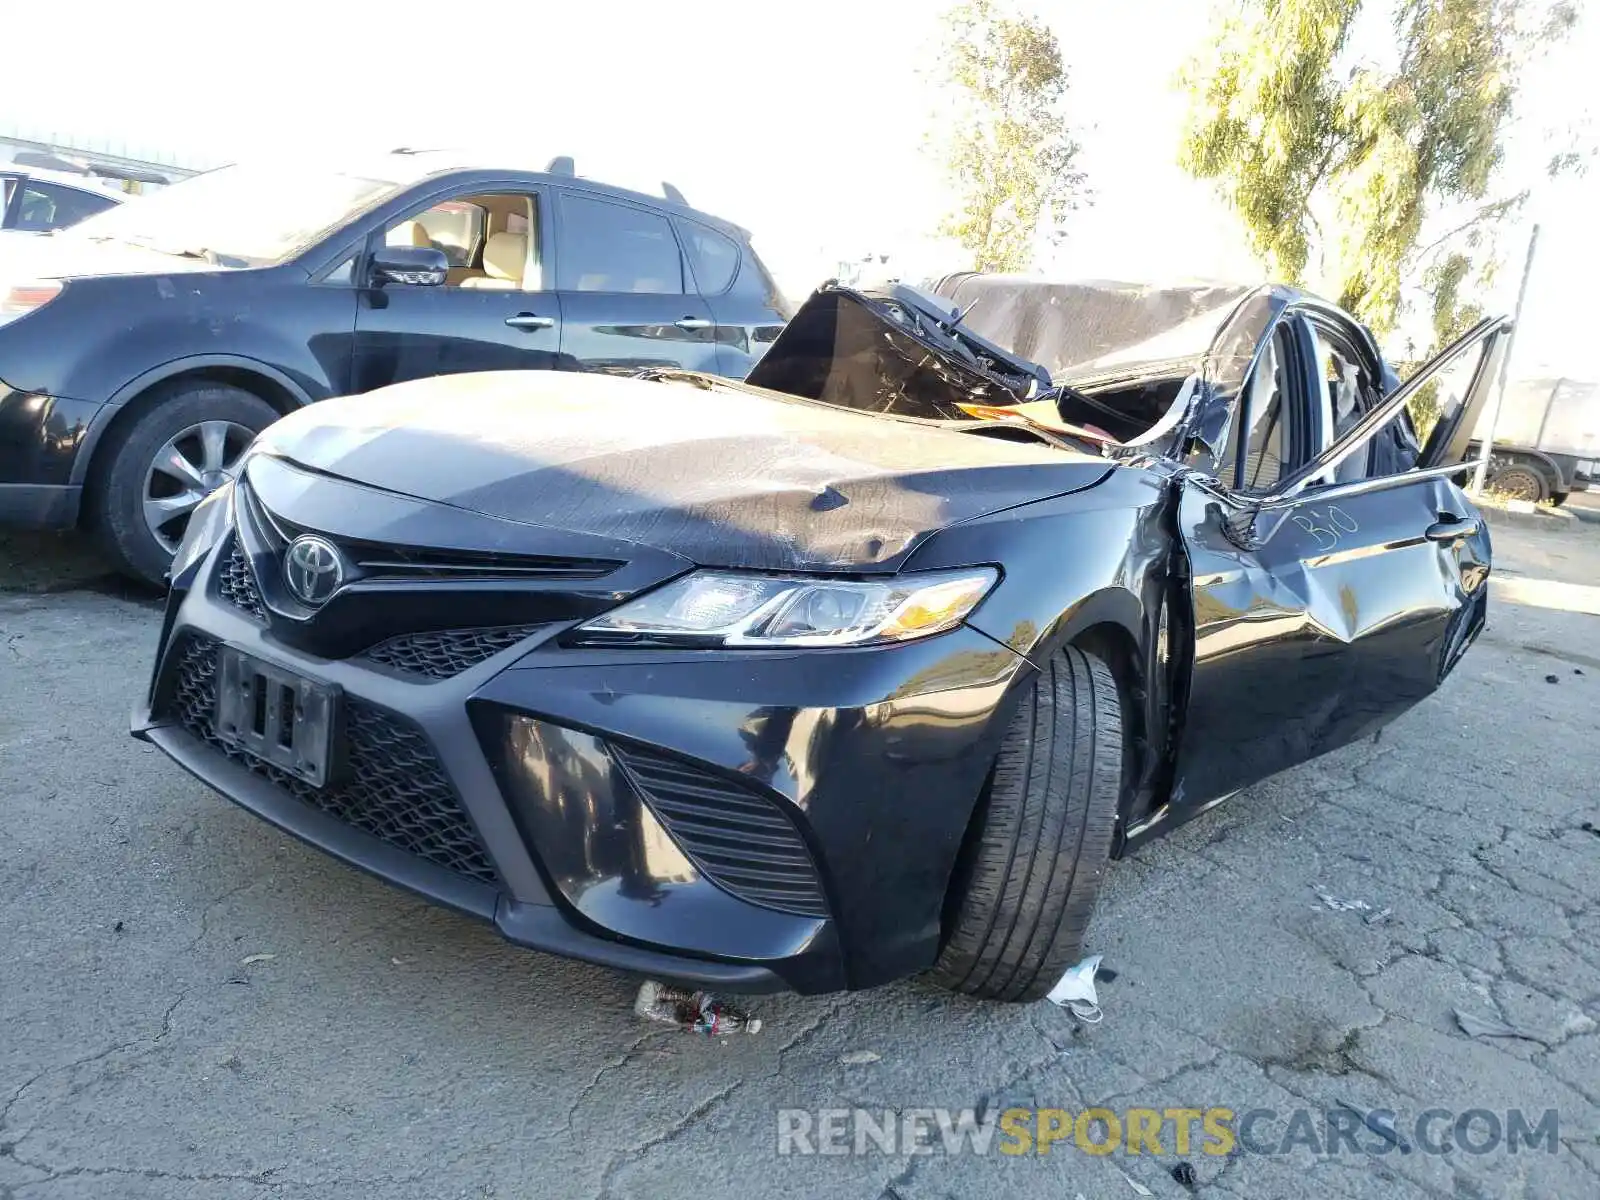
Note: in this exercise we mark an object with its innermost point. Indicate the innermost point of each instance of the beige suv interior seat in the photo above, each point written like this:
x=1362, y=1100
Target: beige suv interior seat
x=505, y=255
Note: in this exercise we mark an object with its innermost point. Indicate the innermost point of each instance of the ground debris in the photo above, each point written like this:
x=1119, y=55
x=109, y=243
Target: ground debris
x=1075, y=991
x=1487, y=1027
x=698, y=1012
x=859, y=1058
x=1552, y=679
x=1184, y=1174
x=1340, y=905
x=250, y=960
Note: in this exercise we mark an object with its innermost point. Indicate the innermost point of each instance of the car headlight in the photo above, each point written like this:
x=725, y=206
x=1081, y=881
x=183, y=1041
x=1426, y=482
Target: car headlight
x=208, y=525
x=725, y=608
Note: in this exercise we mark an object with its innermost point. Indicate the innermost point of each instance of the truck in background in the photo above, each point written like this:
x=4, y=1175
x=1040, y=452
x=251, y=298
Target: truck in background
x=1546, y=440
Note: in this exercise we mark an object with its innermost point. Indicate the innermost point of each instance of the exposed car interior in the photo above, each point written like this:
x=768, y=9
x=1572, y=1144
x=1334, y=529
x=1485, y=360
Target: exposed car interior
x=489, y=241
x=1125, y=407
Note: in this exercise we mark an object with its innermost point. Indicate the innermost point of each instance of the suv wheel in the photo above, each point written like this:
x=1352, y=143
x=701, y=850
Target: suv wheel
x=173, y=456
x=1029, y=873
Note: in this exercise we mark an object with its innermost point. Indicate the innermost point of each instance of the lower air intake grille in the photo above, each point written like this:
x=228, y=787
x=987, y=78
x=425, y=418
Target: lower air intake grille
x=236, y=583
x=742, y=841
x=393, y=786
x=446, y=652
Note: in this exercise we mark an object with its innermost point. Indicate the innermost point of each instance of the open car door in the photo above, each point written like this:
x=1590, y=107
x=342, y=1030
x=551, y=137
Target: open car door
x=1322, y=609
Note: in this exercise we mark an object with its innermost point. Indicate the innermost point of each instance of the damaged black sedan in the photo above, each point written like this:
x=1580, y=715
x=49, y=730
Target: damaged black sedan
x=864, y=667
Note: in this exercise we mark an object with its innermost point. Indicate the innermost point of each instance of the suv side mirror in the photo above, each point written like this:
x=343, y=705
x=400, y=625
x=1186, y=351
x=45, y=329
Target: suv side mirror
x=419, y=266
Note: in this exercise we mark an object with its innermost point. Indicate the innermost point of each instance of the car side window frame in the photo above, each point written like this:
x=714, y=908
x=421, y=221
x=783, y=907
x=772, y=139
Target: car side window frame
x=10, y=194
x=1337, y=332
x=684, y=227
x=1255, y=518
x=56, y=194
x=1285, y=340
x=687, y=285
x=406, y=206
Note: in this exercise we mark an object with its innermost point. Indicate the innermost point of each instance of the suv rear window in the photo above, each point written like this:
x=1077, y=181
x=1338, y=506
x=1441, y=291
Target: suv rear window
x=605, y=247
x=714, y=258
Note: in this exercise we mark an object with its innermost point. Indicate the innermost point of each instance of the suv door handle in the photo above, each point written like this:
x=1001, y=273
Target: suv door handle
x=530, y=321
x=1451, y=527
x=690, y=324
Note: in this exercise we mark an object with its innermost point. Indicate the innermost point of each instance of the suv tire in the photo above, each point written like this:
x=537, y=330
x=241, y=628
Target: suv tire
x=206, y=425
x=1025, y=885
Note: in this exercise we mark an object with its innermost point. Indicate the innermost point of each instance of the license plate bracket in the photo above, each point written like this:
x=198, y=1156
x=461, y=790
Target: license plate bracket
x=277, y=716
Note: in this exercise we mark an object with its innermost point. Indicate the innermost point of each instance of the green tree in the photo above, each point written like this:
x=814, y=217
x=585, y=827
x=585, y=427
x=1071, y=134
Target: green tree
x=1298, y=136
x=1004, y=140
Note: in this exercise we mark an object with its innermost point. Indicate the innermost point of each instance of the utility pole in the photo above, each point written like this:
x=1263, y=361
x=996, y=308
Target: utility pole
x=1486, y=443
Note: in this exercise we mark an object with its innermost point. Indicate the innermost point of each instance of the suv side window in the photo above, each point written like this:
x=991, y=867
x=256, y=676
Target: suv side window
x=606, y=247
x=489, y=240
x=48, y=206
x=714, y=257
x=453, y=226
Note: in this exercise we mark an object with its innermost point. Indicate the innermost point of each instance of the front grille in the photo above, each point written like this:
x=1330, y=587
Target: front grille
x=236, y=583
x=444, y=653
x=741, y=841
x=392, y=787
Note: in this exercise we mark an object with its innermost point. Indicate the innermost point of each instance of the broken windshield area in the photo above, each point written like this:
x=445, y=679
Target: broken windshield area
x=887, y=354
x=1102, y=365
x=1126, y=358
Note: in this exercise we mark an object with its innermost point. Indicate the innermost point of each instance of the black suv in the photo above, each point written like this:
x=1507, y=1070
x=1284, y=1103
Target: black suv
x=141, y=351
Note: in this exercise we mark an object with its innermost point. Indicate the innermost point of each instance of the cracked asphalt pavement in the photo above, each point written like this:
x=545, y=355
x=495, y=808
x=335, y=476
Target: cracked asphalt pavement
x=195, y=1005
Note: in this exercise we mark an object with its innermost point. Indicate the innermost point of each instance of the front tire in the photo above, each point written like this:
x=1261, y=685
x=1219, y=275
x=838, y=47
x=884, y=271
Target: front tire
x=1026, y=883
x=185, y=446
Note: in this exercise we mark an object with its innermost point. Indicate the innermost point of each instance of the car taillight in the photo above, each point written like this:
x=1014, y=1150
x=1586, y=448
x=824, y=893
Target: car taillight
x=23, y=298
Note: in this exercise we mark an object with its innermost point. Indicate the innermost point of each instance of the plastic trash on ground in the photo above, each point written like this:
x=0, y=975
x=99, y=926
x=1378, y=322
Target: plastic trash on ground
x=698, y=1012
x=1075, y=991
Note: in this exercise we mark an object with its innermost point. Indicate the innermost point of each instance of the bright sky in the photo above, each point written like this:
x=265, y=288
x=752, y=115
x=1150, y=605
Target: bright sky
x=802, y=122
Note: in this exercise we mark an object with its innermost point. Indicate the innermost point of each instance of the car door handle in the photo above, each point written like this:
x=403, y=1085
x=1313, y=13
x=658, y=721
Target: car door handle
x=1451, y=528
x=530, y=321
x=690, y=324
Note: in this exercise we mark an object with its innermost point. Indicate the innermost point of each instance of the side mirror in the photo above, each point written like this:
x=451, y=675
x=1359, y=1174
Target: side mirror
x=419, y=266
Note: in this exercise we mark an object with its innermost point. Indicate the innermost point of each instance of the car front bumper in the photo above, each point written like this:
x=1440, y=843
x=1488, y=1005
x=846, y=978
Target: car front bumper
x=740, y=820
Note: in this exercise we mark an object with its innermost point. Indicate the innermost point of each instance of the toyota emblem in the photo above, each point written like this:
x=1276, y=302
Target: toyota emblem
x=313, y=568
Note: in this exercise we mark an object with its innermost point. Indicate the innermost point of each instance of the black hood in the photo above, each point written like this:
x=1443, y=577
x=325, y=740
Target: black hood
x=718, y=474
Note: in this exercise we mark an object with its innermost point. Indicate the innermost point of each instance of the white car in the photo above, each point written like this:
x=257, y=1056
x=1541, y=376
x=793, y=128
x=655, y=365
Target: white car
x=38, y=201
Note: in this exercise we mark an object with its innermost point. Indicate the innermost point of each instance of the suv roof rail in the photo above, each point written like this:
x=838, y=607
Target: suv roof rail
x=564, y=164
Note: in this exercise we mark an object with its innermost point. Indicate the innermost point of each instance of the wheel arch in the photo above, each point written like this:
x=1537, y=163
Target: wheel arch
x=1116, y=625
x=1538, y=460
x=137, y=396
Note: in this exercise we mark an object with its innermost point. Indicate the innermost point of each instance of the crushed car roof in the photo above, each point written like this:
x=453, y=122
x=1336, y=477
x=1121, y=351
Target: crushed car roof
x=1091, y=327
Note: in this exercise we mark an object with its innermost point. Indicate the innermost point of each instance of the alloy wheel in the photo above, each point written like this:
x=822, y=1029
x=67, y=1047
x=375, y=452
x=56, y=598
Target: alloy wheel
x=190, y=466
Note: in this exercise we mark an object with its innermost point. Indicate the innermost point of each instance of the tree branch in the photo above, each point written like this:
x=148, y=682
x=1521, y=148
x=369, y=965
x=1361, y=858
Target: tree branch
x=1488, y=212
